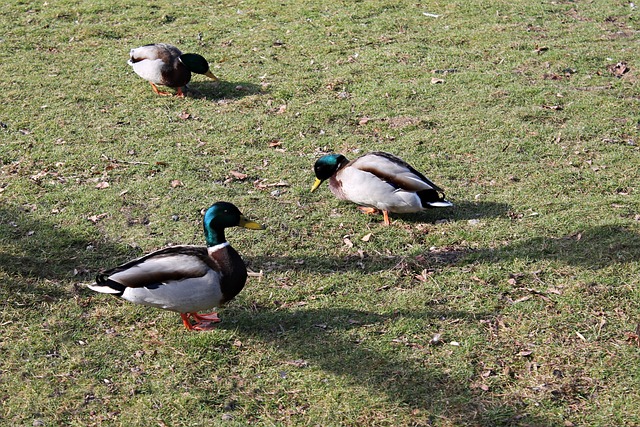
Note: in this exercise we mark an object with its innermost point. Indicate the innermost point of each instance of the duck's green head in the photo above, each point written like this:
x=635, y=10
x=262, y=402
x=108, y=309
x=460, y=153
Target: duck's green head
x=197, y=64
x=326, y=167
x=222, y=215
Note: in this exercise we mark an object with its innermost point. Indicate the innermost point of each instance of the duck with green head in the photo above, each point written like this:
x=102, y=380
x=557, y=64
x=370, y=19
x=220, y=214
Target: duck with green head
x=379, y=181
x=186, y=279
x=164, y=64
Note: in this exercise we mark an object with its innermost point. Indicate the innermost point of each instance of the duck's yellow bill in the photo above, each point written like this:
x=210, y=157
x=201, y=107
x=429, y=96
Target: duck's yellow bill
x=210, y=75
x=245, y=223
x=316, y=184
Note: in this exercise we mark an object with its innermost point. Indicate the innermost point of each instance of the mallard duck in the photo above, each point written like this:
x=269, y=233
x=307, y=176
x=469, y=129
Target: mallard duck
x=186, y=279
x=378, y=181
x=164, y=64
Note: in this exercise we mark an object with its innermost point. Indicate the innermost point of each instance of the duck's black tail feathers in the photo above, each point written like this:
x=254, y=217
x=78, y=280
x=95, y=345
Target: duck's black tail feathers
x=106, y=286
x=433, y=199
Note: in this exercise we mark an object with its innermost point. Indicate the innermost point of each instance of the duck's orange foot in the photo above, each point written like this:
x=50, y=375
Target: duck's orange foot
x=367, y=210
x=204, y=326
x=203, y=322
x=372, y=211
x=207, y=317
x=385, y=214
x=159, y=92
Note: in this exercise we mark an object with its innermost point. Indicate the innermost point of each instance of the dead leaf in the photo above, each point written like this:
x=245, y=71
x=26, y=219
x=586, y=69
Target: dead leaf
x=176, y=183
x=512, y=281
x=275, y=143
x=347, y=242
x=423, y=276
x=39, y=175
x=102, y=185
x=298, y=363
x=552, y=107
x=634, y=337
x=552, y=76
x=184, y=115
x=435, y=81
x=281, y=109
x=238, y=175
x=540, y=49
x=525, y=353
x=366, y=237
x=262, y=185
x=364, y=121
x=95, y=218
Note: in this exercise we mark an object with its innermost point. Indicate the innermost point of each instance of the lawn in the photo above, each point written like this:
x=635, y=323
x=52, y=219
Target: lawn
x=519, y=306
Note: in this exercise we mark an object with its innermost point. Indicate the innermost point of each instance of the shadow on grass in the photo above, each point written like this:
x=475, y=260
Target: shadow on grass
x=335, y=340
x=464, y=210
x=366, y=263
x=460, y=211
x=223, y=89
x=590, y=247
x=33, y=249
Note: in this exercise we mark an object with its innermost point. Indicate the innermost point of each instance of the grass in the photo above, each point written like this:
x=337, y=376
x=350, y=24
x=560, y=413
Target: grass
x=513, y=308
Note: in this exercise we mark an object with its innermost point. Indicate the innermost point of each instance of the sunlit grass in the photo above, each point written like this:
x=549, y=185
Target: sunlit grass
x=516, y=307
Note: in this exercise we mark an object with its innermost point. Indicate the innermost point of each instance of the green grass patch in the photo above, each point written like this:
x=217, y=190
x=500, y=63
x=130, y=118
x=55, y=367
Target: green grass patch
x=516, y=307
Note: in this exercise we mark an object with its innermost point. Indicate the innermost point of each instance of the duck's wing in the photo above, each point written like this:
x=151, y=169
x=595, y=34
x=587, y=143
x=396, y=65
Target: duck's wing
x=164, y=52
x=166, y=265
x=395, y=171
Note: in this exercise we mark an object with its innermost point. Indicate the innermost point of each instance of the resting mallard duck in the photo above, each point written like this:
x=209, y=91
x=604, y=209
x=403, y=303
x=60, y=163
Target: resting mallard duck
x=164, y=64
x=186, y=279
x=378, y=181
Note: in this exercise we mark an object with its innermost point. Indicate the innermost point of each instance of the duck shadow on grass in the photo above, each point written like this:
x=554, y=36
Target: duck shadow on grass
x=220, y=90
x=36, y=254
x=460, y=211
x=592, y=247
x=335, y=340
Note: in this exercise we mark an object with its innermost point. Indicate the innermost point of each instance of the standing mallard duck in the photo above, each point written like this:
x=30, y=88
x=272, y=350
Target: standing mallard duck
x=379, y=181
x=164, y=64
x=186, y=279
